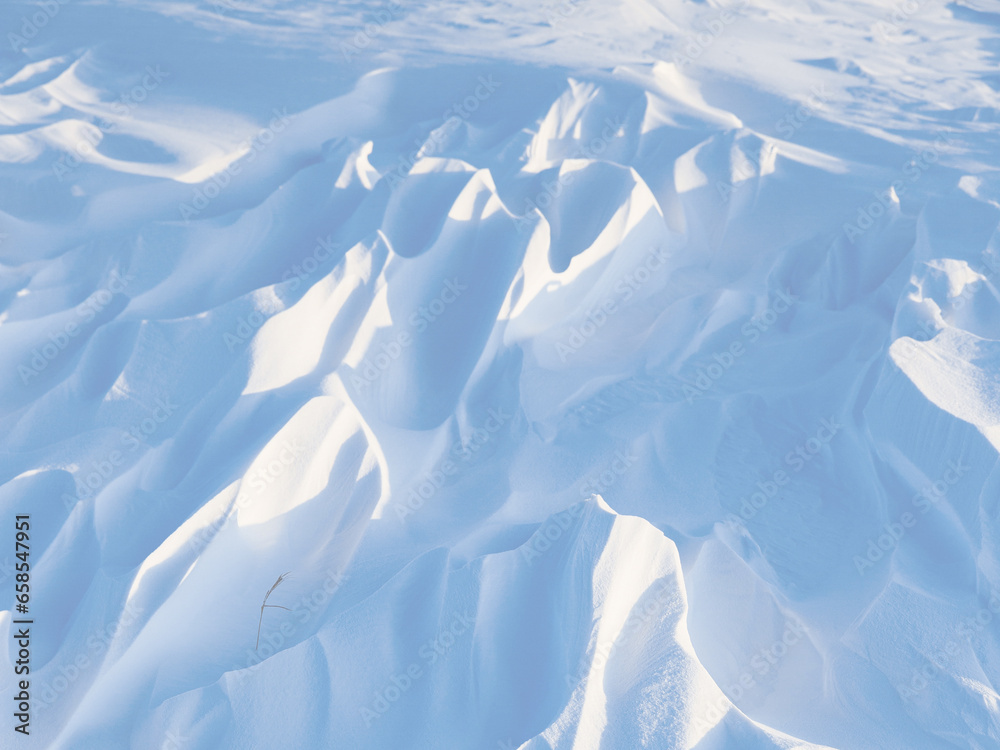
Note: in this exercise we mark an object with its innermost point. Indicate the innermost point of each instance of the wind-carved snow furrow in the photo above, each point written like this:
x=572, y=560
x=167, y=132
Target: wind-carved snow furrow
x=468, y=611
x=435, y=312
x=302, y=507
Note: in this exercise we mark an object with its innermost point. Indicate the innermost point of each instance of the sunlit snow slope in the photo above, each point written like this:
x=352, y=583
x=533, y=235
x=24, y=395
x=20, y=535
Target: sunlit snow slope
x=603, y=374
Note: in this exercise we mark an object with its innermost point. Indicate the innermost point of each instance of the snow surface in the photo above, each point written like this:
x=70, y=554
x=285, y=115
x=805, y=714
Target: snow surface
x=606, y=374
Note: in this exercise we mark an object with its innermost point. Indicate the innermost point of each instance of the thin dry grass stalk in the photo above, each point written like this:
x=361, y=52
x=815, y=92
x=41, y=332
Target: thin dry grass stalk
x=264, y=604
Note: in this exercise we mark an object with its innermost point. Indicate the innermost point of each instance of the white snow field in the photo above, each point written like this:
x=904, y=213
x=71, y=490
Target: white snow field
x=604, y=374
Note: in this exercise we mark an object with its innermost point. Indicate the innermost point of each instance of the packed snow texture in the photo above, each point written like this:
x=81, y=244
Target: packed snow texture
x=605, y=374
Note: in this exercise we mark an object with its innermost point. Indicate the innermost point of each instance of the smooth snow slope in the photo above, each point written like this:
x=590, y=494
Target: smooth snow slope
x=605, y=375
